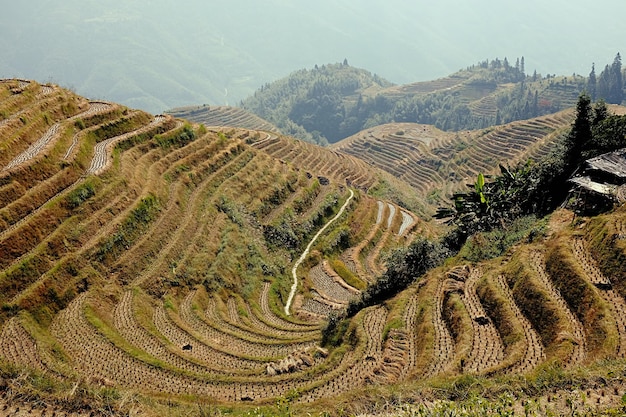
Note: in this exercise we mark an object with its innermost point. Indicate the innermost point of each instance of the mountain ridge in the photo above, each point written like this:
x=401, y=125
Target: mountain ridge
x=332, y=102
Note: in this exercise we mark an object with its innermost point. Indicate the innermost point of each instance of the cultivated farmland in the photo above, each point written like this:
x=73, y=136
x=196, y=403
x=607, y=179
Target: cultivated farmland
x=146, y=257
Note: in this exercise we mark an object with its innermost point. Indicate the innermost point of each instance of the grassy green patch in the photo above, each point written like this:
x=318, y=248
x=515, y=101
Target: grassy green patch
x=348, y=276
x=489, y=245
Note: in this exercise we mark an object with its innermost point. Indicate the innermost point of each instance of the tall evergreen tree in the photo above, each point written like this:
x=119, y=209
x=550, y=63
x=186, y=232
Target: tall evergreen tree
x=580, y=134
x=616, y=86
x=591, y=83
x=602, y=86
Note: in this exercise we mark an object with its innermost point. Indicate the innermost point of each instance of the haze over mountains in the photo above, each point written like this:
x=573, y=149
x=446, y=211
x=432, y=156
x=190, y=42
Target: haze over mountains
x=162, y=54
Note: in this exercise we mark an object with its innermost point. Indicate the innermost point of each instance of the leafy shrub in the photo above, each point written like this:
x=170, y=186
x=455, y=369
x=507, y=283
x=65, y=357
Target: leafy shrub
x=404, y=267
x=132, y=227
x=179, y=139
x=334, y=331
x=79, y=195
x=489, y=245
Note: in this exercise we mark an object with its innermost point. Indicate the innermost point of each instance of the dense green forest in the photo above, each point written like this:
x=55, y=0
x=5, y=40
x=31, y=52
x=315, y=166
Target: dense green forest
x=316, y=105
x=331, y=102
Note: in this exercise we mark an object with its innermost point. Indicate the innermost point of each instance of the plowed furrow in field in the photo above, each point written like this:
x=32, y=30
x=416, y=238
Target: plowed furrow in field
x=35, y=148
x=37, y=196
x=613, y=299
x=320, y=307
x=51, y=133
x=354, y=254
x=5, y=233
x=394, y=359
x=213, y=318
x=129, y=328
x=358, y=368
x=188, y=229
x=278, y=333
x=18, y=347
x=592, y=272
x=97, y=359
x=233, y=314
x=327, y=287
x=373, y=258
x=579, y=352
x=410, y=325
x=102, y=149
x=94, y=108
x=407, y=222
x=264, y=141
x=29, y=106
x=381, y=210
x=534, y=352
x=487, y=349
x=443, y=349
x=270, y=317
x=212, y=353
x=280, y=208
x=247, y=348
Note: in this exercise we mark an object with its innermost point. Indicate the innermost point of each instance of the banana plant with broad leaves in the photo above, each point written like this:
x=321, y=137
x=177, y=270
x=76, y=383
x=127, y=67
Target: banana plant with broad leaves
x=491, y=204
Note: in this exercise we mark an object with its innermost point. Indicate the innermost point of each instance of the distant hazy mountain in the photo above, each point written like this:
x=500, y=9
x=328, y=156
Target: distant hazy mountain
x=161, y=54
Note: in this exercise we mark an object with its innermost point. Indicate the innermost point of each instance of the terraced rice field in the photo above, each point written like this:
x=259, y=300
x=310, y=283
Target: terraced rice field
x=223, y=116
x=128, y=239
x=426, y=87
x=154, y=258
x=437, y=163
x=336, y=166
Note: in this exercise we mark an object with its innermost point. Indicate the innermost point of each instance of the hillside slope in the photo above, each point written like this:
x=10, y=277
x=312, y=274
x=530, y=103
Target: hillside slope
x=437, y=164
x=222, y=116
x=156, y=256
x=155, y=55
x=147, y=268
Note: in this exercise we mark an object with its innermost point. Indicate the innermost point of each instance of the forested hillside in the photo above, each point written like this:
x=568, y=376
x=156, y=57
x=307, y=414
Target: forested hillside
x=332, y=102
x=316, y=105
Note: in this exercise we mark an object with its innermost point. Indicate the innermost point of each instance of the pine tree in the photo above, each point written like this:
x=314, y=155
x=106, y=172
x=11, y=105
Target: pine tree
x=580, y=134
x=616, y=86
x=591, y=83
x=602, y=87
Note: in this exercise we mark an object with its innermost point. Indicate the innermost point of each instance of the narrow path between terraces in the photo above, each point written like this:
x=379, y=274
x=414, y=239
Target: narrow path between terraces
x=294, y=270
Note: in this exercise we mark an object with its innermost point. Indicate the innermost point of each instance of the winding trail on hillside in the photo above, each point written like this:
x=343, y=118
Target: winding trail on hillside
x=294, y=270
